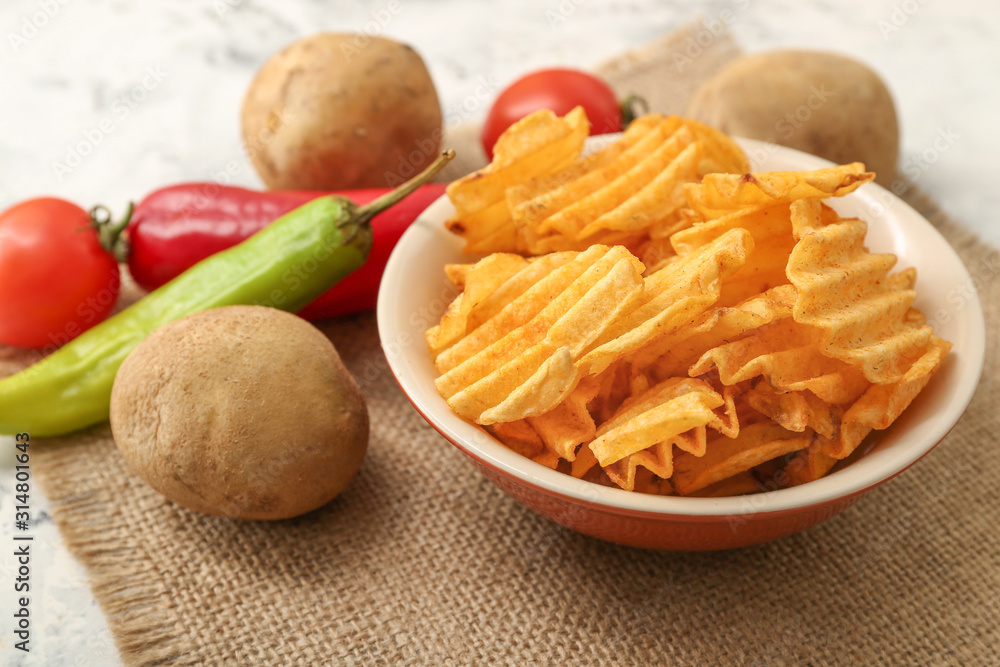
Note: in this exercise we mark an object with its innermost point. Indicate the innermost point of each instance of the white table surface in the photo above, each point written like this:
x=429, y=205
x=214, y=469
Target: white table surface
x=66, y=66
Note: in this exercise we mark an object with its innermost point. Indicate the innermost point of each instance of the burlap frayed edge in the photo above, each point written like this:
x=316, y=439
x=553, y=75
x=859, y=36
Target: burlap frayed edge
x=133, y=597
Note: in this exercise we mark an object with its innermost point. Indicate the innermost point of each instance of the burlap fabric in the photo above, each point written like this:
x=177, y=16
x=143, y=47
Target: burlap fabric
x=421, y=561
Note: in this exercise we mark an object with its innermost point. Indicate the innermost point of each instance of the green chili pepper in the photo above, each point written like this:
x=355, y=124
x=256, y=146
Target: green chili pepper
x=286, y=265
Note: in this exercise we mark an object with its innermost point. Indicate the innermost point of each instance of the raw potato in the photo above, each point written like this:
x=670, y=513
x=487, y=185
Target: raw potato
x=332, y=112
x=820, y=103
x=241, y=411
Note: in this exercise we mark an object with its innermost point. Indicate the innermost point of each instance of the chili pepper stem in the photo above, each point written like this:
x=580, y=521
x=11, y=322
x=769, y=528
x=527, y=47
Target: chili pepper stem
x=370, y=210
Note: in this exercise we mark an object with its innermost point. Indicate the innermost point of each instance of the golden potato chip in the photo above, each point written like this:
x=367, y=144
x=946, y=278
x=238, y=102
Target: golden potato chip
x=671, y=298
x=809, y=464
x=536, y=286
x=646, y=481
x=659, y=415
x=584, y=462
x=656, y=254
x=862, y=310
x=485, y=309
x=725, y=457
x=569, y=424
x=537, y=144
x=519, y=437
x=763, y=222
x=738, y=485
x=787, y=355
x=659, y=198
x=718, y=194
x=456, y=273
x=480, y=281
x=537, y=199
x=720, y=153
x=571, y=220
x=882, y=404
x=796, y=410
x=763, y=270
x=547, y=458
x=673, y=353
x=531, y=369
x=658, y=459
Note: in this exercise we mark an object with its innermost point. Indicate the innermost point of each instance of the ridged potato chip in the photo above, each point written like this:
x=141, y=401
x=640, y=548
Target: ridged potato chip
x=535, y=145
x=719, y=194
x=863, y=311
x=526, y=364
x=755, y=345
x=725, y=457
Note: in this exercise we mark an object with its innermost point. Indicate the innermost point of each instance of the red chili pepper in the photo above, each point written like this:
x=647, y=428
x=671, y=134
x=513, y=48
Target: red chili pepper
x=174, y=228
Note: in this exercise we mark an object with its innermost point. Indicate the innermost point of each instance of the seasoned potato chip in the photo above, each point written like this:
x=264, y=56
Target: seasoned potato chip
x=671, y=298
x=809, y=464
x=456, y=273
x=658, y=459
x=519, y=437
x=882, y=404
x=862, y=310
x=787, y=355
x=574, y=218
x=720, y=153
x=531, y=369
x=796, y=410
x=537, y=144
x=672, y=354
x=755, y=312
x=721, y=193
x=569, y=424
x=725, y=457
x=659, y=415
x=532, y=202
x=737, y=485
x=482, y=279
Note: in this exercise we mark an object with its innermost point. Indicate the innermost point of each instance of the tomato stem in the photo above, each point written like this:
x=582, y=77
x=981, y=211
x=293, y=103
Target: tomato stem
x=632, y=107
x=110, y=233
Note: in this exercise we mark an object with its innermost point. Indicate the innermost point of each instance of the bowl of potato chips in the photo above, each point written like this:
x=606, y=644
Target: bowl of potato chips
x=673, y=339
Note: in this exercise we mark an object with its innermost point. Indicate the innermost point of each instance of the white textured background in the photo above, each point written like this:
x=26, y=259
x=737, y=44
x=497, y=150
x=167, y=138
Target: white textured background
x=72, y=65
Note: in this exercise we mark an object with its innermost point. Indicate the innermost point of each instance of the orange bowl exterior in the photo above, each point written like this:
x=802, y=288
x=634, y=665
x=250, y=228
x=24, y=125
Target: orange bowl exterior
x=658, y=530
x=668, y=532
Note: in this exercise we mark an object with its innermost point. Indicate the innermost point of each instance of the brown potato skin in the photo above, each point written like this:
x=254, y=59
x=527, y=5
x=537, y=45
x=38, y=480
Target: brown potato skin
x=242, y=411
x=328, y=114
x=821, y=103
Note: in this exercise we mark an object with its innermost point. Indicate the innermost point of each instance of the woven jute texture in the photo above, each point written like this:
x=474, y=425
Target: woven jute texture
x=422, y=561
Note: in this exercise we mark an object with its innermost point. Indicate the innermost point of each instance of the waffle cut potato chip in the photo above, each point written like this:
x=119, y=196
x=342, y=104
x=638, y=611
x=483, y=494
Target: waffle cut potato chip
x=650, y=322
x=535, y=145
x=848, y=293
x=522, y=361
x=537, y=197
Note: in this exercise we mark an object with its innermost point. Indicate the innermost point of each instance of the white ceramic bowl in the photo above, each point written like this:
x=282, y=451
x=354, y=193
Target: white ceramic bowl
x=414, y=293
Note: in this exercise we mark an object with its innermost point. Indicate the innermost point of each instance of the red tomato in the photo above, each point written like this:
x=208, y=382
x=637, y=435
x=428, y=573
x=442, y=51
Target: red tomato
x=559, y=90
x=55, y=279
